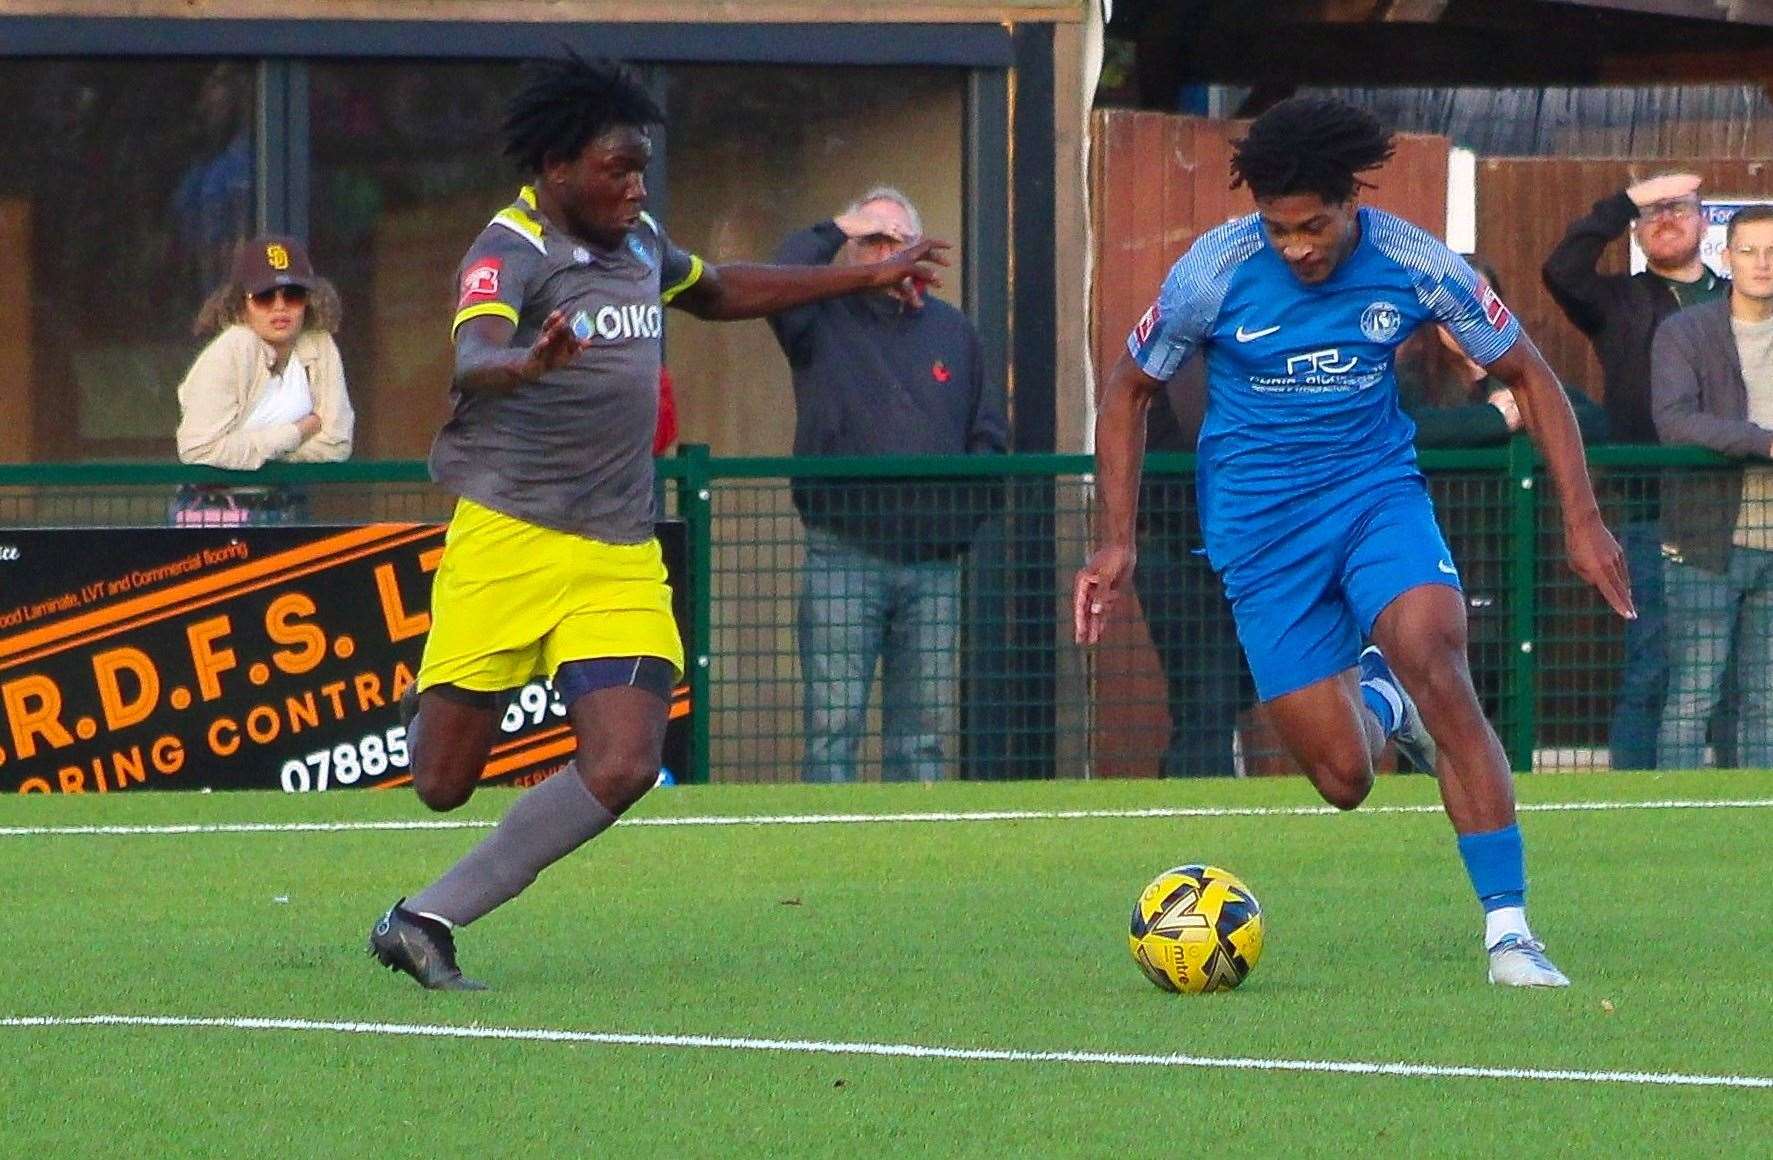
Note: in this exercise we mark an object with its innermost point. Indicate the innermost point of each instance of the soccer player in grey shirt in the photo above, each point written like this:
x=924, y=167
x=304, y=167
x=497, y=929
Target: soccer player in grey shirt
x=550, y=565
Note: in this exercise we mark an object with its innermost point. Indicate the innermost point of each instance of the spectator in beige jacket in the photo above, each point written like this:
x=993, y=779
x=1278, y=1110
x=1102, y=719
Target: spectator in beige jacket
x=269, y=386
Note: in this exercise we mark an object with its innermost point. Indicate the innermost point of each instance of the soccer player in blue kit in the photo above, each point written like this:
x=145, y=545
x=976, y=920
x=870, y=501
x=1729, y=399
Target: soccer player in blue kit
x=1312, y=507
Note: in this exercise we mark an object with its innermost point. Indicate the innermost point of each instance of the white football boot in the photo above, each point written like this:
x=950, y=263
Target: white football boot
x=1411, y=737
x=1519, y=961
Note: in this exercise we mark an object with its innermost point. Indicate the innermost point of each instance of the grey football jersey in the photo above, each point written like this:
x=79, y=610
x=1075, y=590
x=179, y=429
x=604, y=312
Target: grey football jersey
x=573, y=450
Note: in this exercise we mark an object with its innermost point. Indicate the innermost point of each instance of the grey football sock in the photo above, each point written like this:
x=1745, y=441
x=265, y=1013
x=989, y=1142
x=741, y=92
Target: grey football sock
x=548, y=822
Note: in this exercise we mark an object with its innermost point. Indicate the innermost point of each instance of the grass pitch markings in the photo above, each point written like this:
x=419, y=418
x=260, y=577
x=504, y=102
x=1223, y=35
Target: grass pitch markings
x=867, y=819
x=897, y=1050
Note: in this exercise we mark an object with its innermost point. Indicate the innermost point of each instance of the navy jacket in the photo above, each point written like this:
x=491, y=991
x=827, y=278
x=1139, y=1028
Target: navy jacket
x=873, y=376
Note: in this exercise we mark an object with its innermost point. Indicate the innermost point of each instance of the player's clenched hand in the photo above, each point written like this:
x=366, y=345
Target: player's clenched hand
x=912, y=270
x=1098, y=586
x=1596, y=557
x=554, y=348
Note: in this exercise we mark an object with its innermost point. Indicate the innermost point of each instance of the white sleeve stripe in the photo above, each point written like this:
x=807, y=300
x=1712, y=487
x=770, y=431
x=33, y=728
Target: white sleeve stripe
x=1432, y=265
x=1193, y=293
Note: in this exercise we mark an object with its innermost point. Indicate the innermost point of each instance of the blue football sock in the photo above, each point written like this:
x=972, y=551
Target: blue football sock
x=1387, y=710
x=1497, y=864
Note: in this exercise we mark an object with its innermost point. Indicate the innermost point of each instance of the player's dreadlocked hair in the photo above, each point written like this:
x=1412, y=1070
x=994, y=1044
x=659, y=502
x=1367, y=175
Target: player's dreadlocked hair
x=1310, y=145
x=564, y=103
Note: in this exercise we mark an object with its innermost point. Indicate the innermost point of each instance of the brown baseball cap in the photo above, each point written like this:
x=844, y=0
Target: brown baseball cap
x=265, y=263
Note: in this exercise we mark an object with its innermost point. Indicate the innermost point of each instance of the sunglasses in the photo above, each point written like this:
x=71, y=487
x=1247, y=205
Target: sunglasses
x=291, y=296
x=1670, y=209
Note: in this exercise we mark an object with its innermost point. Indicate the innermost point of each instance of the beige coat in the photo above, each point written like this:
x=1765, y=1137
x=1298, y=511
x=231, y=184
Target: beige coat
x=228, y=380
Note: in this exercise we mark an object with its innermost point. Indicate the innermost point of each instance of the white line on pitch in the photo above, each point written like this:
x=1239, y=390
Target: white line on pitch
x=864, y=819
x=901, y=1050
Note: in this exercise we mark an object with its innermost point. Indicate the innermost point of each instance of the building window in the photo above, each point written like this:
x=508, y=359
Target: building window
x=407, y=168
x=755, y=152
x=124, y=187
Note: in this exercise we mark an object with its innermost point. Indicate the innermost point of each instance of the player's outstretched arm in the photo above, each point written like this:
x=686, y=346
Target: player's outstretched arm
x=1545, y=412
x=486, y=360
x=1120, y=452
x=750, y=290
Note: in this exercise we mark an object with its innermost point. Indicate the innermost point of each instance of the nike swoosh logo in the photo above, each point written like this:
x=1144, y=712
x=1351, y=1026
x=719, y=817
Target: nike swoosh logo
x=1446, y=567
x=1252, y=335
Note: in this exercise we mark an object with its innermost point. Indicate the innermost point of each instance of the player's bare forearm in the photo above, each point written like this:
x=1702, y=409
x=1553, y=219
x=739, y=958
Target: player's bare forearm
x=751, y=290
x=1594, y=553
x=1120, y=448
x=747, y=290
x=1120, y=452
x=1549, y=421
x=487, y=362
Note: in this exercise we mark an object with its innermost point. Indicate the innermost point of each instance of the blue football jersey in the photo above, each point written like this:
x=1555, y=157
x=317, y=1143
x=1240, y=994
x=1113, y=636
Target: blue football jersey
x=1302, y=410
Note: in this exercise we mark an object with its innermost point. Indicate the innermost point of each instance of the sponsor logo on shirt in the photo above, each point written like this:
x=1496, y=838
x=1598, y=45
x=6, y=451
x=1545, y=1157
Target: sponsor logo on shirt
x=1495, y=310
x=1146, y=326
x=480, y=281
x=610, y=324
x=1320, y=372
x=1328, y=362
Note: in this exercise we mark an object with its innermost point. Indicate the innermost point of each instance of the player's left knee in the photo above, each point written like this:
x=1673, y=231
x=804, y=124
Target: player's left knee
x=620, y=780
x=441, y=796
x=1434, y=662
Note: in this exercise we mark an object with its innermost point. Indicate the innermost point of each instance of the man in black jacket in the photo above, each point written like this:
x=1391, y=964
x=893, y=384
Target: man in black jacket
x=889, y=373
x=1620, y=313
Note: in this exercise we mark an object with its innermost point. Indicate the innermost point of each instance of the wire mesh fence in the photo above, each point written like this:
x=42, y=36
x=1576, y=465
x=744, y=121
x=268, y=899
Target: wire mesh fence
x=910, y=619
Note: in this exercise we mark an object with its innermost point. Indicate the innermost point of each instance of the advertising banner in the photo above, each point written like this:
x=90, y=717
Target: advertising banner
x=239, y=658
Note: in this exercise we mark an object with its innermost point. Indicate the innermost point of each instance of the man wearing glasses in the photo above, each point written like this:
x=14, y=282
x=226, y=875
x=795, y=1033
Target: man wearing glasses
x=1620, y=314
x=1713, y=374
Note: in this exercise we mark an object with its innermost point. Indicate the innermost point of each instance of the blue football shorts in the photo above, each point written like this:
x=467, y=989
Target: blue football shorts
x=1305, y=605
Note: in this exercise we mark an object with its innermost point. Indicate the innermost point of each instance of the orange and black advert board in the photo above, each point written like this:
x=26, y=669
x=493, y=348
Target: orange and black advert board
x=238, y=658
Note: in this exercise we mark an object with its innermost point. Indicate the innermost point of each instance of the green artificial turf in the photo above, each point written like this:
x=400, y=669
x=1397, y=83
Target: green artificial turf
x=973, y=934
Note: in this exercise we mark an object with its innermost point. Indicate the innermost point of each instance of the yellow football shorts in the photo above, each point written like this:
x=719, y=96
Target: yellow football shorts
x=512, y=601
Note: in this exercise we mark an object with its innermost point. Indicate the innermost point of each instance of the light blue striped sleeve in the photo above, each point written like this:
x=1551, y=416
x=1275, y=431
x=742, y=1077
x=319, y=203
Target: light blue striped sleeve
x=1449, y=289
x=1182, y=317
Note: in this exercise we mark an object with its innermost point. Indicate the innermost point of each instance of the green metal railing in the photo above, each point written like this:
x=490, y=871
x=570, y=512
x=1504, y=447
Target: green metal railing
x=1023, y=702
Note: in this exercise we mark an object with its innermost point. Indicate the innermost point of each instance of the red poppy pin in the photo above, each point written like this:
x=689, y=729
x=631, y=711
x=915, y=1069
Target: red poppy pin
x=939, y=372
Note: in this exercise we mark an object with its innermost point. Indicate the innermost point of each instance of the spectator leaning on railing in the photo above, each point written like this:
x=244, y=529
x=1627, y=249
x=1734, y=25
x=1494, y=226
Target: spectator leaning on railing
x=1713, y=380
x=1619, y=313
x=888, y=373
x=270, y=385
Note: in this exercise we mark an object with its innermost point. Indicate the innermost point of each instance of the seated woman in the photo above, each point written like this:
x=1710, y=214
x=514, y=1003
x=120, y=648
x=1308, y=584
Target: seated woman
x=268, y=386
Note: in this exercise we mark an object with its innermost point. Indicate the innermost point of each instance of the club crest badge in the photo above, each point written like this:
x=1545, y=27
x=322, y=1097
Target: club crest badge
x=1381, y=321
